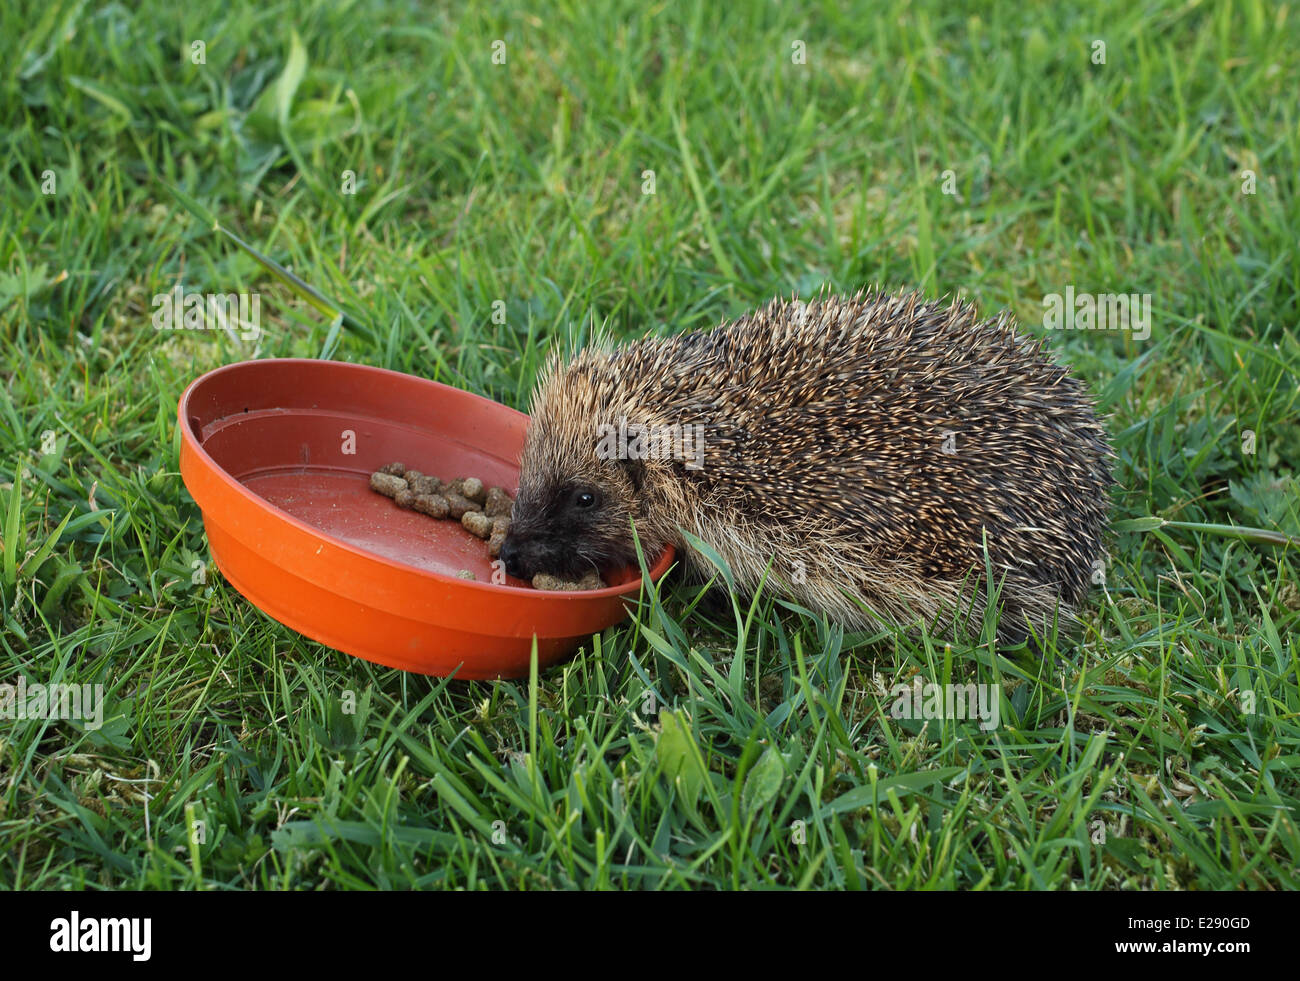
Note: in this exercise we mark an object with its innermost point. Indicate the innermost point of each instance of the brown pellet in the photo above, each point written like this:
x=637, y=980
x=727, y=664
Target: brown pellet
x=459, y=505
x=472, y=488
x=405, y=498
x=424, y=483
x=477, y=523
x=387, y=484
x=434, y=505
x=500, y=528
x=546, y=581
x=393, y=469
x=497, y=503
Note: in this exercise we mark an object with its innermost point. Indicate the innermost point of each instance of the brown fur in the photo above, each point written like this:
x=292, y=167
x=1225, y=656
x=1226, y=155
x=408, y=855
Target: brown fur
x=824, y=459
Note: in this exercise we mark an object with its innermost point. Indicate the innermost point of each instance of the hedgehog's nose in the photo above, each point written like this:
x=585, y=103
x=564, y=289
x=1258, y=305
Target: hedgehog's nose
x=512, y=556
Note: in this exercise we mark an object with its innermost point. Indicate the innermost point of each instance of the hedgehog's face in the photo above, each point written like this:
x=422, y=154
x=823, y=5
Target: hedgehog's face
x=577, y=493
x=571, y=516
x=566, y=524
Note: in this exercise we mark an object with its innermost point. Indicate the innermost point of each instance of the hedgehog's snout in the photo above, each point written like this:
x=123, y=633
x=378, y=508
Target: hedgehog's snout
x=531, y=544
x=528, y=547
x=512, y=558
x=562, y=528
x=517, y=558
x=525, y=557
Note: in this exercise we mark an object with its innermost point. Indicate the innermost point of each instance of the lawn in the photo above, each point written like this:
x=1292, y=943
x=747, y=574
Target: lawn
x=481, y=184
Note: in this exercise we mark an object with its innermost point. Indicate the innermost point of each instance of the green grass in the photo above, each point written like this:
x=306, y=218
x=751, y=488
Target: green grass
x=1160, y=751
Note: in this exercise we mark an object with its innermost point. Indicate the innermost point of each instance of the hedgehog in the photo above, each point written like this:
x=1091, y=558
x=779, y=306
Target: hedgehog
x=871, y=458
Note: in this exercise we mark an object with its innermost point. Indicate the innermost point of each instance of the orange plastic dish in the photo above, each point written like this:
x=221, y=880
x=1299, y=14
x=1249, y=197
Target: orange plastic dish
x=278, y=455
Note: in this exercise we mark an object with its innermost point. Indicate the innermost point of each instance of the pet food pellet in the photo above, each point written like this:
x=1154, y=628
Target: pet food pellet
x=393, y=469
x=472, y=488
x=459, y=505
x=500, y=528
x=424, y=483
x=466, y=574
x=546, y=581
x=405, y=498
x=386, y=483
x=477, y=523
x=434, y=505
x=498, y=503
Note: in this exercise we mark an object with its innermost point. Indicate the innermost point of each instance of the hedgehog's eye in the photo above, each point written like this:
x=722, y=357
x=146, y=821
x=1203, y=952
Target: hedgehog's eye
x=584, y=500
